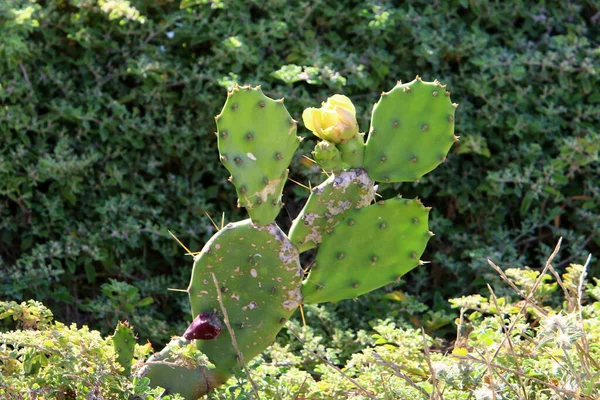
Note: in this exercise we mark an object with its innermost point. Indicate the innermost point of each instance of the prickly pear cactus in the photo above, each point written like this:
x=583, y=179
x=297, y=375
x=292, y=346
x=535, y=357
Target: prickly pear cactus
x=412, y=130
x=328, y=204
x=370, y=248
x=259, y=276
x=247, y=280
x=257, y=139
x=124, y=343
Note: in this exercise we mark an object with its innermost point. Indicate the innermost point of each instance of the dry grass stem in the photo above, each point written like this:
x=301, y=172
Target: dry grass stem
x=232, y=334
x=326, y=361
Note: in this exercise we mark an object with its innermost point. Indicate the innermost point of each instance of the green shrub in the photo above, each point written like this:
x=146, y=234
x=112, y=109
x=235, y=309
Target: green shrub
x=106, y=121
x=50, y=360
x=505, y=348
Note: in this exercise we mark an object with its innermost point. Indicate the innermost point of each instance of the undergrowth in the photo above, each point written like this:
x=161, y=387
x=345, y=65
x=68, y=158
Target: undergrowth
x=539, y=343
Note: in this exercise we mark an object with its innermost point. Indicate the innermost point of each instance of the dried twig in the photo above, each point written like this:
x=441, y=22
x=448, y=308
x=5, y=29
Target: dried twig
x=529, y=296
x=531, y=378
x=326, y=361
x=399, y=374
x=434, y=382
x=510, y=345
x=232, y=334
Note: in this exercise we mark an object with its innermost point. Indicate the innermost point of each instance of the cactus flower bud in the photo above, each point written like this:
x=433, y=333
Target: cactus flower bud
x=335, y=121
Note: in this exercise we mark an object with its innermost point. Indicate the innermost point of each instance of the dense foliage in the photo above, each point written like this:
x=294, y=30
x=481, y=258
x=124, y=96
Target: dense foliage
x=504, y=348
x=106, y=138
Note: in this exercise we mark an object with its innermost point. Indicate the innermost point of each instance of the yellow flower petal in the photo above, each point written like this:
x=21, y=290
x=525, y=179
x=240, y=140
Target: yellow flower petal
x=341, y=101
x=307, y=118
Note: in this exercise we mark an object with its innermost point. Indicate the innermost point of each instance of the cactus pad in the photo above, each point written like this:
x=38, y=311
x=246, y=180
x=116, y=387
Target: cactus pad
x=372, y=247
x=412, y=130
x=257, y=139
x=124, y=344
x=327, y=156
x=328, y=204
x=353, y=151
x=259, y=276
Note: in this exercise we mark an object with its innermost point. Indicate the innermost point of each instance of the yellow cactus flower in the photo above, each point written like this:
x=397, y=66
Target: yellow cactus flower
x=335, y=121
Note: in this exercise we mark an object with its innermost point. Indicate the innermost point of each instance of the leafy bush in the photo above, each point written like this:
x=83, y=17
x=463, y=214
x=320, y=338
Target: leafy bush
x=505, y=348
x=47, y=359
x=106, y=124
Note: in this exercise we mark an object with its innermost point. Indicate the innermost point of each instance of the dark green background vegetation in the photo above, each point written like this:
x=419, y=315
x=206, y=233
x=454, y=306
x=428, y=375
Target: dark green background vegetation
x=106, y=138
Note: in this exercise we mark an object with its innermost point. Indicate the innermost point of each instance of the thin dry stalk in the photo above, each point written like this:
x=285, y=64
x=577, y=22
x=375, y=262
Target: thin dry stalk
x=515, y=288
x=326, y=361
x=560, y=282
x=434, y=381
x=584, y=353
x=232, y=334
x=510, y=345
x=569, y=393
x=529, y=296
x=399, y=374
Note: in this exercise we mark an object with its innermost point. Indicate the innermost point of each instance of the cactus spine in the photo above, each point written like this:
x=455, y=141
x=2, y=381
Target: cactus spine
x=249, y=276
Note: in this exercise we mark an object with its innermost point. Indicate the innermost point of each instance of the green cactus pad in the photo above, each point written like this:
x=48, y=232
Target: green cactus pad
x=412, y=130
x=178, y=374
x=372, y=247
x=353, y=151
x=328, y=204
x=257, y=139
x=327, y=156
x=124, y=344
x=259, y=276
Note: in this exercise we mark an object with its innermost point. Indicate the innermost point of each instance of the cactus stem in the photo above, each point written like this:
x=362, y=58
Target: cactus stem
x=450, y=118
x=435, y=93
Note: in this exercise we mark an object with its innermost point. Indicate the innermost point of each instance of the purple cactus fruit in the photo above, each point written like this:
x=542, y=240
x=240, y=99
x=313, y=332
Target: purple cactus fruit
x=204, y=327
